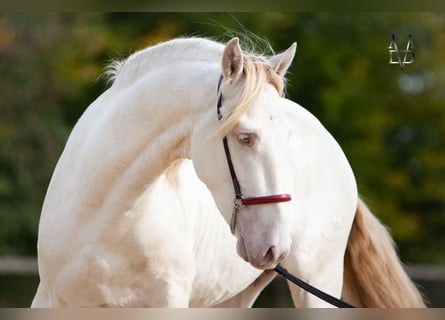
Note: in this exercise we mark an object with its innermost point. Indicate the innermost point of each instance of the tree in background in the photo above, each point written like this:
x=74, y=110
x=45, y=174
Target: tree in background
x=389, y=121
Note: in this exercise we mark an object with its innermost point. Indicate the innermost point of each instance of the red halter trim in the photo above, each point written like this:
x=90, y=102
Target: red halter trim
x=266, y=199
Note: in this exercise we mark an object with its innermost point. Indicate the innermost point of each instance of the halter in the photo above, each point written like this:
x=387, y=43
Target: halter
x=240, y=201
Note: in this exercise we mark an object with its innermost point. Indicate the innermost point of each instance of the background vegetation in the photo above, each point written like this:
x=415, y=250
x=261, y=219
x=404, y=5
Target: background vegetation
x=390, y=122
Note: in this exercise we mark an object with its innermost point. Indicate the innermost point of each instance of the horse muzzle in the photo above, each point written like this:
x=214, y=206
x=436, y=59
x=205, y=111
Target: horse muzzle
x=264, y=257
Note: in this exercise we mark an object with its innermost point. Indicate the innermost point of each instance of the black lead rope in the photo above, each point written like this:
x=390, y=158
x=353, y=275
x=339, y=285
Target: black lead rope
x=316, y=292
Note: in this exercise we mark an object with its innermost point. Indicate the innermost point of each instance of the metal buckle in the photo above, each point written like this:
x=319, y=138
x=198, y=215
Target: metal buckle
x=237, y=204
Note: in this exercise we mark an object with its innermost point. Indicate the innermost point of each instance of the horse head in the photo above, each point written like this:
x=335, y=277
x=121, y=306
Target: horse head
x=240, y=154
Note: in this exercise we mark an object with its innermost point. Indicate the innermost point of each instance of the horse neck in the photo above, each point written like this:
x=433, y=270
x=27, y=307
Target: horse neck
x=159, y=117
x=128, y=137
x=319, y=157
x=326, y=192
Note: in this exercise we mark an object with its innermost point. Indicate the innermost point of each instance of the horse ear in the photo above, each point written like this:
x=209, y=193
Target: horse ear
x=282, y=61
x=232, y=60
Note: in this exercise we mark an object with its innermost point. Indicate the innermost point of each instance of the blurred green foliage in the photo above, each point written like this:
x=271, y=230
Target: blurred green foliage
x=390, y=122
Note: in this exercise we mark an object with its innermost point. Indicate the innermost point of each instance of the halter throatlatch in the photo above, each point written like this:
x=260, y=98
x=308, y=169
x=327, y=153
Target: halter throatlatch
x=241, y=201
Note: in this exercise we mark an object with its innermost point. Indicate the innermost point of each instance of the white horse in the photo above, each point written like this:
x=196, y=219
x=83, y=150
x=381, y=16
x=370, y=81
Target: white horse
x=138, y=210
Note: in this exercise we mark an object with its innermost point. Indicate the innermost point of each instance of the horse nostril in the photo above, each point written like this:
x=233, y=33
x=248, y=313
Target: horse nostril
x=271, y=255
x=274, y=255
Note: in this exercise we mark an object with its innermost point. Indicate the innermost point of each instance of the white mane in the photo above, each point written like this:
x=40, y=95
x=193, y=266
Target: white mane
x=127, y=71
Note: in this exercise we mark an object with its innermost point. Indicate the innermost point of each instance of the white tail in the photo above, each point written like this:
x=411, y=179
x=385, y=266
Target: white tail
x=373, y=274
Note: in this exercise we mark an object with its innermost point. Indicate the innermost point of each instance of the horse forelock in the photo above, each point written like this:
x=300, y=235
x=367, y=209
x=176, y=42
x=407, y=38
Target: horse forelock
x=257, y=74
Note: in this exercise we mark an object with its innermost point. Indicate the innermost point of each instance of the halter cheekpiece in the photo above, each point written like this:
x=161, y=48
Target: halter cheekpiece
x=240, y=201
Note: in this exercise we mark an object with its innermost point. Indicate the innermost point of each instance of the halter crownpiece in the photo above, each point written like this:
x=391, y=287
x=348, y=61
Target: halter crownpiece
x=241, y=201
